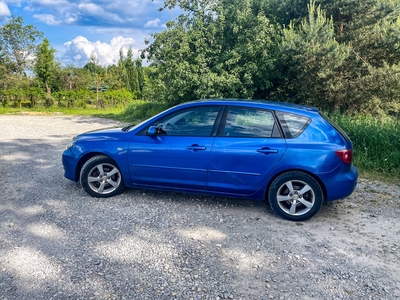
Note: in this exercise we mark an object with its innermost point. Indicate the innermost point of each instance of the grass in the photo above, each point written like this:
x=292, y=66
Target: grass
x=376, y=144
x=376, y=141
x=89, y=111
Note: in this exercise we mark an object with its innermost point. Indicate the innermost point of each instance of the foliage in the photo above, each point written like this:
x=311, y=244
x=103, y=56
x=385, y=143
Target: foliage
x=140, y=110
x=131, y=72
x=154, y=88
x=222, y=51
x=333, y=54
x=18, y=43
x=312, y=62
x=45, y=64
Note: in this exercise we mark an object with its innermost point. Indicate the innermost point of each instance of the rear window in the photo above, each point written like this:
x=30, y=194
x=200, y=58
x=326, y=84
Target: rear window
x=292, y=124
x=334, y=125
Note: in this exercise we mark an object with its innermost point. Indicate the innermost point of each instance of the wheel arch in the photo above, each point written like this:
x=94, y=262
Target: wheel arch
x=321, y=184
x=84, y=159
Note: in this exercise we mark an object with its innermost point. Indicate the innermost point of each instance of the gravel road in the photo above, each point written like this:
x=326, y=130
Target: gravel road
x=56, y=242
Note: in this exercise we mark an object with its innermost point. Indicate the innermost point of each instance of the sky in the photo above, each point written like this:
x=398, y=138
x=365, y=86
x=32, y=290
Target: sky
x=79, y=28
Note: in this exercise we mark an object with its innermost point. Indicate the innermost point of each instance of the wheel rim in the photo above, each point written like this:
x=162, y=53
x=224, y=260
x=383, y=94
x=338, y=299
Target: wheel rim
x=296, y=197
x=104, y=178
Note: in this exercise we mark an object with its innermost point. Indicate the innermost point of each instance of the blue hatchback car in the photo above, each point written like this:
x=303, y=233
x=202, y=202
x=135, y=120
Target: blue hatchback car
x=291, y=155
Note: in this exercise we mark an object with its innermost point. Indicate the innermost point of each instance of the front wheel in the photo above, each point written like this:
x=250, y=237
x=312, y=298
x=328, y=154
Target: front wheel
x=101, y=177
x=295, y=196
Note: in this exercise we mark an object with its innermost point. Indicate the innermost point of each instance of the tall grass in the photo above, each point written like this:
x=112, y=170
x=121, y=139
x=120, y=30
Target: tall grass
x=376, y=142
x=140, y=110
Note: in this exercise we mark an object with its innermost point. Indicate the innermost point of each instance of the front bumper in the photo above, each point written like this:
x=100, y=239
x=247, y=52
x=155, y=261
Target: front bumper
x=69, y=163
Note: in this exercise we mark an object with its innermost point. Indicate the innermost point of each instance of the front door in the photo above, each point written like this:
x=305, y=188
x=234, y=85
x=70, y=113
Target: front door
x=176, y=155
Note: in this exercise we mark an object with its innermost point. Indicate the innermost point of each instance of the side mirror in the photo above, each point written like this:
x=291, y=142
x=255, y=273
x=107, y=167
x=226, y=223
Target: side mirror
x=152, y=131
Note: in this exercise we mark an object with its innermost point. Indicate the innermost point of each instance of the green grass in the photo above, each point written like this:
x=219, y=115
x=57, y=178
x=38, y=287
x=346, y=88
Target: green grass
x=376, y=144
x=90, y=111
x=141, y=110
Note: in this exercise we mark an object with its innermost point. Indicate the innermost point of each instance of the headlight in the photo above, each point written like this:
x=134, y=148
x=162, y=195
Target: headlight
x=70, y=144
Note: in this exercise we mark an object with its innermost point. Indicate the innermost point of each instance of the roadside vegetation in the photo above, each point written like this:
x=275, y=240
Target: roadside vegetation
x=339, y=55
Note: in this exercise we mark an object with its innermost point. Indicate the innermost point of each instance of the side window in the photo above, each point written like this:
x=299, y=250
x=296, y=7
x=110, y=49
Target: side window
x=247, y=122
x=293, y=125
x=198, y=121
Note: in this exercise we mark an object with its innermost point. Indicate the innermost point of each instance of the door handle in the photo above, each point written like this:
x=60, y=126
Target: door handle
x=196, y=147
x=267, y=151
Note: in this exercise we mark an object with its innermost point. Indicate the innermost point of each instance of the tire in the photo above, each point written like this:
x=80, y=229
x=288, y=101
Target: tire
x=295, y=196
x=100, y=177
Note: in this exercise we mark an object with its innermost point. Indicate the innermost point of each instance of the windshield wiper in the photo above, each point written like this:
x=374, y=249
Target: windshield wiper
x=126, y=128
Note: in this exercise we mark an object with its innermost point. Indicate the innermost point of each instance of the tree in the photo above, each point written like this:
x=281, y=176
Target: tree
x=312, y=62
x=98, y=74
x=215, y=49
x=139, y=69
x=18, y=43
x=45, y=64
x=131, y=72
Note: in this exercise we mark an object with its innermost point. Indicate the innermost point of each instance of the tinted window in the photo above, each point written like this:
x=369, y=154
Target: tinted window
x=198, y=121
x=247, y=122
x=292, y=124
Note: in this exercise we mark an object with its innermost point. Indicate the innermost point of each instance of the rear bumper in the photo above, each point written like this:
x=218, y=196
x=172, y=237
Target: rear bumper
x=340, y=183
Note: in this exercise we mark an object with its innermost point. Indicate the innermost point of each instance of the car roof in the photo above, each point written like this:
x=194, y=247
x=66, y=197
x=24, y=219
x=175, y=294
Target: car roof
x=267, y=104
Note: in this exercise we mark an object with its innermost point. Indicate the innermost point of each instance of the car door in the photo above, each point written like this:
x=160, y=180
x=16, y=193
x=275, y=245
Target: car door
x=173, y=153
x=245, y=151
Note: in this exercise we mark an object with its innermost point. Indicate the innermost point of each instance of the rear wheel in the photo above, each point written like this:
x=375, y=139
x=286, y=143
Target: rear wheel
x=101, y=177
x=295, y=196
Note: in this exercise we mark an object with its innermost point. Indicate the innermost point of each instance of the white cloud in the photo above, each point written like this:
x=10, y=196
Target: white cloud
x=47, y=19
x=80, y=49
x=4, y=11
x=153, y=23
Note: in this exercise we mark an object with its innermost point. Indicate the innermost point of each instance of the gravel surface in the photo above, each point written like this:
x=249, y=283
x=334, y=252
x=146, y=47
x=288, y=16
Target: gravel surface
x=56, y=242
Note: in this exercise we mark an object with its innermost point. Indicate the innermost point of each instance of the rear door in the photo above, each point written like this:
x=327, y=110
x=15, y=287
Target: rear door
x=247, y=149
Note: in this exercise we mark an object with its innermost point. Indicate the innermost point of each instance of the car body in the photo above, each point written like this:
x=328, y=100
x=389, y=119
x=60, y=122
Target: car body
x=292, y=155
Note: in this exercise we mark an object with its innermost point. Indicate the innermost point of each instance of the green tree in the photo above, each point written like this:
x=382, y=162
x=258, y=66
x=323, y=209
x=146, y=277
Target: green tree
x=371, y=29
x=139, y=69
x=18, y=43
x=215, y=49
x=98, y=75
x=131, y=72
x=72, y=78
x=45, y=65
x=154, y=88
x=312, y=62
x=123, y=80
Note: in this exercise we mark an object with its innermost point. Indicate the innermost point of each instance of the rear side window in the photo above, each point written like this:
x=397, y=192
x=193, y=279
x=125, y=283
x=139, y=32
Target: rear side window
x=334, y=125
x=292, y=124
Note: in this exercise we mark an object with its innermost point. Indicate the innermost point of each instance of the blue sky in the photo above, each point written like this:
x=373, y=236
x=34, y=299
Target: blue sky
x=79, y=28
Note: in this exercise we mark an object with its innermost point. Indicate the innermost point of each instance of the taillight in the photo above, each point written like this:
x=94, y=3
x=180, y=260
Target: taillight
x=345, y=155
